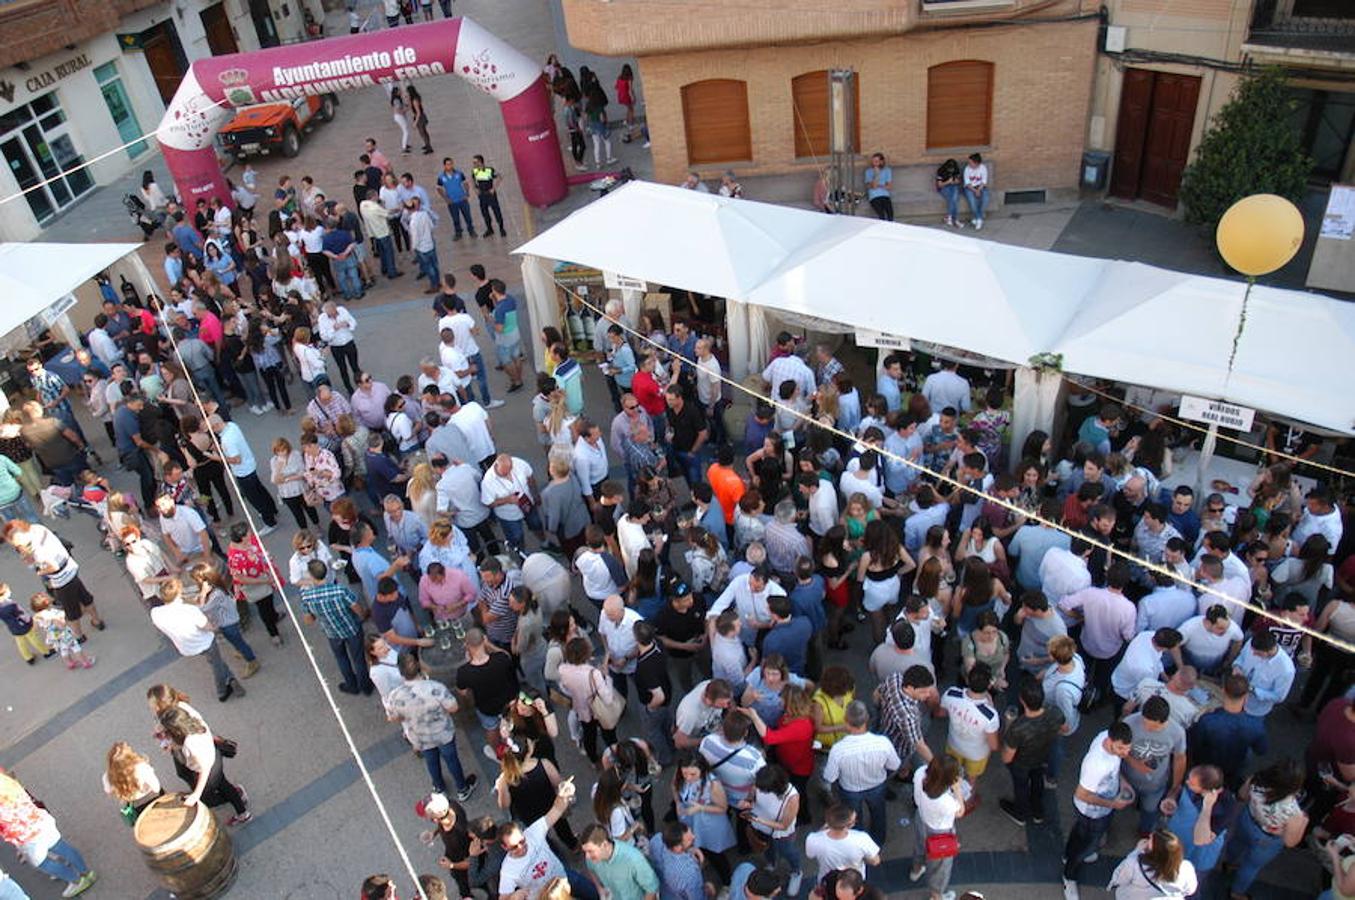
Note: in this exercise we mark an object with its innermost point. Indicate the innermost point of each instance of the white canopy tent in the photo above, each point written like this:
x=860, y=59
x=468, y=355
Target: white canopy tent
x=1122, y=321
x=35, y=276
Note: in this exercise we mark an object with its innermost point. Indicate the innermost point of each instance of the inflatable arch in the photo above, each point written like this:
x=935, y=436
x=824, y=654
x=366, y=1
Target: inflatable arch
x=448, y=47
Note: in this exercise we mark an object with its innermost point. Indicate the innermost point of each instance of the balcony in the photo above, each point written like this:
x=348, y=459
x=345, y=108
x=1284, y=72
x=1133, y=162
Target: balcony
x=35, y=28
x=1313, y=33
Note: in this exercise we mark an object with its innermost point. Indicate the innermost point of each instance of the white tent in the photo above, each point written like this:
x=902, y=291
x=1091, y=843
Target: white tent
x=34, y=276
x=1122, y=321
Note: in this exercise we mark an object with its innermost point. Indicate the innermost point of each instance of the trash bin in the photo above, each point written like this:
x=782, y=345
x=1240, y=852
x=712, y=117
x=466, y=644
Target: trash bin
x=1095, y=166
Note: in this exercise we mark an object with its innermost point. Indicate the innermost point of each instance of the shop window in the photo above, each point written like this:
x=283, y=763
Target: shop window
x=811, y=106
x=960, y=104
x=715, y=117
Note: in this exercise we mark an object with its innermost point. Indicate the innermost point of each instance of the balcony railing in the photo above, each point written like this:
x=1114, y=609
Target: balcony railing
x=1294, y=25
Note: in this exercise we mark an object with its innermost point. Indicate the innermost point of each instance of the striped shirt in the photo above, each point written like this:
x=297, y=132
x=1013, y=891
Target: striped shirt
x=861, y=762
x=332, y=604
x=737, y=766
x=501, y=630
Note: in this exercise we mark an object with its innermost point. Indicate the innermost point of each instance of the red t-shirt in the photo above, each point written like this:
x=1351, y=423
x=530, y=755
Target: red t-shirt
x=1334, y=739
x=727, y=487
x=648, y=393
x=793, y=743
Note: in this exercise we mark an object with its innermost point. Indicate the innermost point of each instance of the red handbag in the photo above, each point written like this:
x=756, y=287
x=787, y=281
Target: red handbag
x=942, y=846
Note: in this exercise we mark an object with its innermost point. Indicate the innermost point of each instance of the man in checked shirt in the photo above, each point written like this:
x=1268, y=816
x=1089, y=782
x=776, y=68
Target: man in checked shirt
x=904, y=701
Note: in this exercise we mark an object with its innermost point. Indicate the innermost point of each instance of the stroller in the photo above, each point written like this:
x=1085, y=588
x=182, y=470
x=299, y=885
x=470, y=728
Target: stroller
x=145, y=220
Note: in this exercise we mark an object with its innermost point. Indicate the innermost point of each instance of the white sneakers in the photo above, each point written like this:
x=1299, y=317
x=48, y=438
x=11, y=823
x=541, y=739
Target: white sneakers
x=978, y=224
x=494, y=404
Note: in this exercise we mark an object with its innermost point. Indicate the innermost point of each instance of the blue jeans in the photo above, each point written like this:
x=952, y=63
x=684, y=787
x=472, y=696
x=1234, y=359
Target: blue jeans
x=428, y=267
x=352, y=662
x=1250, y=849
x=952, y=194
x=488, y=723
x=237, y=640
x=446, y=754
x=873, y=801
x=513, y=530
x=460, y=210
x=478, y=361
x=976, y=204
x=689, y=464
x=19, y=508
x=385, y=248
x=64, y=861
x=346, y=273
x=254, y=395
x=1082, y=840
x=206, y=379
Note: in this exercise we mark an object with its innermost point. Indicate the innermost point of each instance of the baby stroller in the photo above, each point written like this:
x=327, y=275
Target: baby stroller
x=145, y=220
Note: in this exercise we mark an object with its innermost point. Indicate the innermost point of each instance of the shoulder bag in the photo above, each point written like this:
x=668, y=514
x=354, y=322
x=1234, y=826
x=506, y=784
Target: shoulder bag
x=606, y=714
x=942, y=845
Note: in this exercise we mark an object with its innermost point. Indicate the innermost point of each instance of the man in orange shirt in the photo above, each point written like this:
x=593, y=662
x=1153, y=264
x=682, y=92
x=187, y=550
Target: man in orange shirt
x=725, y=482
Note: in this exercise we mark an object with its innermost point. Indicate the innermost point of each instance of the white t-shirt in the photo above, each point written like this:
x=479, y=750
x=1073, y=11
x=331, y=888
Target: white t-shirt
x=199, y=752
x=937, y=813
x=470, y=419
x=185, y=626
x=1203, y=646
x=693, y=716
x=976, y=176
x=1100, y=774
x=851, y=484
x=534, y=869
x=461, y=325
x=184, y=529
x=620, y=638
x=971, y=721
x=708, y=385
x=453, y=361
x=848, y=852
x=495, y=486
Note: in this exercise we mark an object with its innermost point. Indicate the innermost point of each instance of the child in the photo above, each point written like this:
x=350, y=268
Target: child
x=57, y=633
x=20, y=624
x=729, y=659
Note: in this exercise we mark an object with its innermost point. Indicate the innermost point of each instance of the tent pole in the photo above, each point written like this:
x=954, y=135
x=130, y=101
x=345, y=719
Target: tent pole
x=1211, y=440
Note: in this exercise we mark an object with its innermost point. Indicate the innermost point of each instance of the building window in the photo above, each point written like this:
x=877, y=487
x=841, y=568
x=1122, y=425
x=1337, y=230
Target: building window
x=36, y=143
x=715, y=116
x=1323, y=9
x=120, y=108
x=960, y=104
x=811, y=108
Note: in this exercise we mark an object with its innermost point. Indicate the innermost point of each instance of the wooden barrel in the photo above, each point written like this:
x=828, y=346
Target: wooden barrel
x=441, y=665
x=186, y=848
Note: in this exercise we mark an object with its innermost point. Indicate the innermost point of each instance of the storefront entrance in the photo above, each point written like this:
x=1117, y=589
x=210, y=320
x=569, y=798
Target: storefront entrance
x=36, y=143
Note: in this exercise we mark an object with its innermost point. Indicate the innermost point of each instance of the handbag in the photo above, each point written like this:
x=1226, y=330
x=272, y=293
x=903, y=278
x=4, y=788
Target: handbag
x=526, y=503
x=225, y=746
x=943, y=845
x=129, y=814
x=606, y=714
x=758, y=841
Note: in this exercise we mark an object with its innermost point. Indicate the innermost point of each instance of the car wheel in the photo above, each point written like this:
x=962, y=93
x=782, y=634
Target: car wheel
x=326, y=111
x=291, y=142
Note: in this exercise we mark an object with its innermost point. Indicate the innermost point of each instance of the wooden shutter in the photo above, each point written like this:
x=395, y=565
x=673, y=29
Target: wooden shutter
x=715, y=116
x=811, y=110
x=960, y=104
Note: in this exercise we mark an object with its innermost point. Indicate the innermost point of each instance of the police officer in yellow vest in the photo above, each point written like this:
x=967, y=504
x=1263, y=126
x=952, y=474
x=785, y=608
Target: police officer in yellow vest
x=484, y=177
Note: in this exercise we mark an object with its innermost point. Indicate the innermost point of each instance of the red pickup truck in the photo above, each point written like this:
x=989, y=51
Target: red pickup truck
x=269, y=127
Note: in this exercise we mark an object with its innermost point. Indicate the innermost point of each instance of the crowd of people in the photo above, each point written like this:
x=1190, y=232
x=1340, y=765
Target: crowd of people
x=892, y=519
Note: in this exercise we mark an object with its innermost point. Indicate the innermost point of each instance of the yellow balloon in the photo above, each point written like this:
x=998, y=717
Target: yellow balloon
x=1259, y=234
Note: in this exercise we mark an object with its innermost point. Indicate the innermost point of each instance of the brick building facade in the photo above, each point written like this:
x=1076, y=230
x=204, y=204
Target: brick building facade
x=1021, y=72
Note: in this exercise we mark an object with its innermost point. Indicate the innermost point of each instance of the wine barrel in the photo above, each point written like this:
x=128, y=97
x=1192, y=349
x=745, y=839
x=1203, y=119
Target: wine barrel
x=188, y=851
x=441, y=665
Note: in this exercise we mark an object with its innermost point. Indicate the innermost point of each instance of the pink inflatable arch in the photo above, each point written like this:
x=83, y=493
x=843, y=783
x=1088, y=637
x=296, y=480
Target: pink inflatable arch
x=451, y=46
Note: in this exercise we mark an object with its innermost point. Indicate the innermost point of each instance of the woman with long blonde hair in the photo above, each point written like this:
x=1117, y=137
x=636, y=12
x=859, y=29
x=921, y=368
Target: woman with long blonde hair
x=559, y=421
x=128, y=777
x=526, y=788
x=422, y=492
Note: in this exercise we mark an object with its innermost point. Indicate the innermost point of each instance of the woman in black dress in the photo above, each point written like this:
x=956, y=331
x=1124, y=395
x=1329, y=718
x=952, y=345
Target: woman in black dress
x=526, y=788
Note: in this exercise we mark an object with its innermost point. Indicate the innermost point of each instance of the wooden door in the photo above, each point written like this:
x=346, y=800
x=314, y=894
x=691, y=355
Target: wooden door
x=1167, y=148
x=1131, y=132
x=220, y=37
x=163, y=58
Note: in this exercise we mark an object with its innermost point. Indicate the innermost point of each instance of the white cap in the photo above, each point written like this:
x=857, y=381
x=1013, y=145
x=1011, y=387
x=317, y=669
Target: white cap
x=436, y=806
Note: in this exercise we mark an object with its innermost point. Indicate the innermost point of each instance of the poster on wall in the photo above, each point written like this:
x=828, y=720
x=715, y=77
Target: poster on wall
x=1339, y=220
